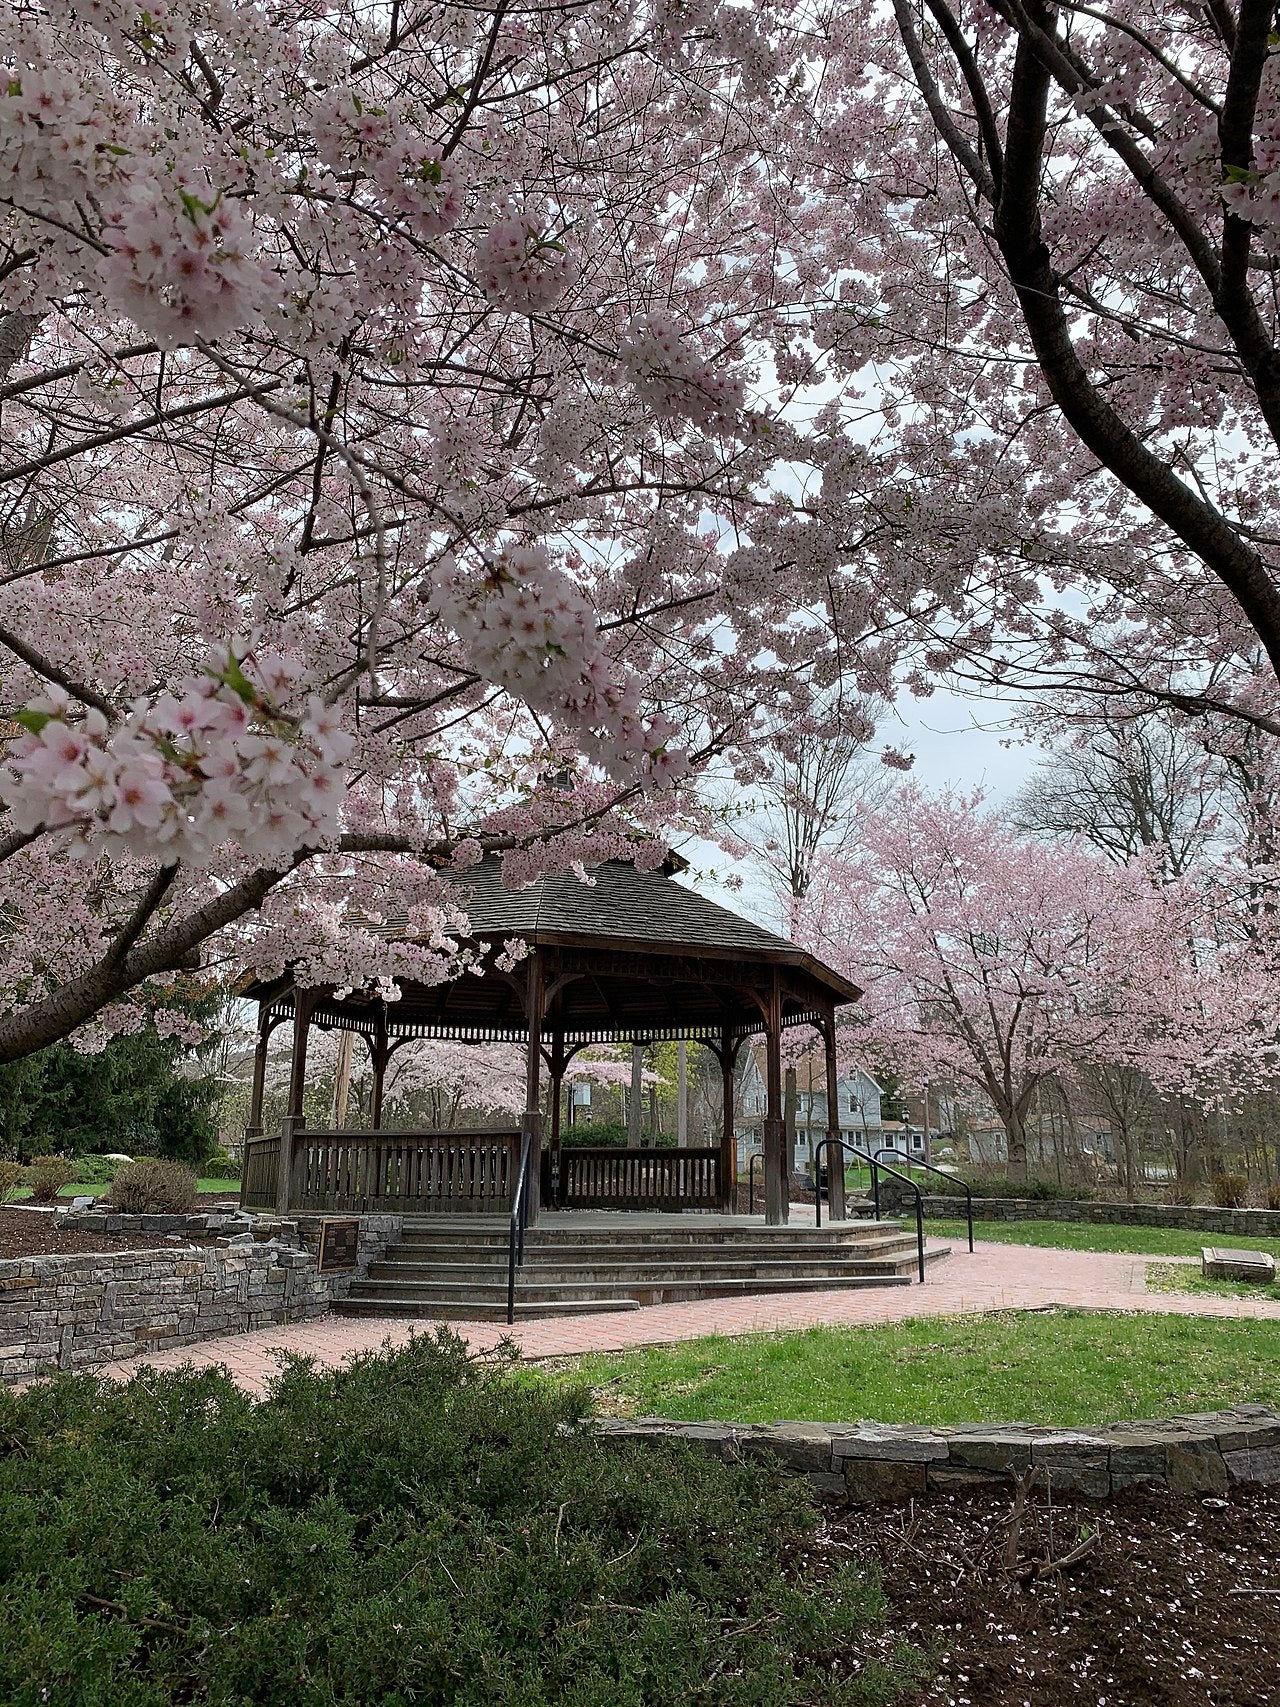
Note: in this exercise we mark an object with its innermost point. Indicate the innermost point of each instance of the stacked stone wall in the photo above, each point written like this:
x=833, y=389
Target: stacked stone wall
x=1207, y=1453
x=1196, y=1218
x=73, y=1312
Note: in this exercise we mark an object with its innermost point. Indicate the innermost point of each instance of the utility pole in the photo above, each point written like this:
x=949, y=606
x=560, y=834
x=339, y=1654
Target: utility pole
x=682, y=1093
x=635, y=1103
x=927, y=1156
x=342, y=1080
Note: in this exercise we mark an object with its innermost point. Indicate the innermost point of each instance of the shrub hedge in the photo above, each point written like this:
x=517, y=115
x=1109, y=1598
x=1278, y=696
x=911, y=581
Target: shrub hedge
x=420, y=1527
x=151, y=1185
x=47, y=1175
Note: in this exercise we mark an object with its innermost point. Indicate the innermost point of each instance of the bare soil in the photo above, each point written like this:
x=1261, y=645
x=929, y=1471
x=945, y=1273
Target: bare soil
x=26, y=1233
x=1148, y=1600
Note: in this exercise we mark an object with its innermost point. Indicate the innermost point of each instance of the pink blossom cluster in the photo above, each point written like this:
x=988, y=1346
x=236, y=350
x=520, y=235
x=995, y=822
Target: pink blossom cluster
x=217, y=762
x=414, y=180
x=670, y=376
x=421, y=187
x=530, y=629
x=181, y=266
x=521, y=267
x=58, y=132
x=745, y=42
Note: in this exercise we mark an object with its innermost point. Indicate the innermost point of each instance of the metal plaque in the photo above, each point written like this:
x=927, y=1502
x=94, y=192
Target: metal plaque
x=339, y=1244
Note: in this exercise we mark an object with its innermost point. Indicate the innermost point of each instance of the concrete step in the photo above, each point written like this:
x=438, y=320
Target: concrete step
x=551, y=1273
x=462, y=1311
x=588, y=1255
x=427, y=1294
x=595, y=1224
x=797, y=1243
x=455, y=1268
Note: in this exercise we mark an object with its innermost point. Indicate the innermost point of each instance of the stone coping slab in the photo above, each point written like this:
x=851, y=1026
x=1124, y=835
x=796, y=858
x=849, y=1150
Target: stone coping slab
x=1204, y=1453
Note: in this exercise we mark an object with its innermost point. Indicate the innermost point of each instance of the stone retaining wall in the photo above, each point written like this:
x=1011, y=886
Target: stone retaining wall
x=1196, y=1218
x=1202, y=1454
x=72, y=1312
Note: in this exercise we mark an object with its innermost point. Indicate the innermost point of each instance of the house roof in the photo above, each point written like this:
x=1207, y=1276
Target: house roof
x=811, y=1071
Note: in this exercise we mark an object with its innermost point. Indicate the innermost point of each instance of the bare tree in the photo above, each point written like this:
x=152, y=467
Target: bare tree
x=815, y=784
x=1128, y=786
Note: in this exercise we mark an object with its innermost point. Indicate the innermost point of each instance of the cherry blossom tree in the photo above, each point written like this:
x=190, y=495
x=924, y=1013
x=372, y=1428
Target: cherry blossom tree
x=395, y=466
x=1001, y=963
x=440, y=1081
x=1060, y=226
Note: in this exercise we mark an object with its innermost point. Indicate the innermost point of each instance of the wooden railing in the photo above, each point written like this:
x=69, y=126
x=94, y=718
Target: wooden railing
x=258, y=1181
x=400, y=1172
x=640, y=1179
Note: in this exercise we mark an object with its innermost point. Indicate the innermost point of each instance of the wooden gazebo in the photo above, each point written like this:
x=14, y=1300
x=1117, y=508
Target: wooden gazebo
x=629, y=956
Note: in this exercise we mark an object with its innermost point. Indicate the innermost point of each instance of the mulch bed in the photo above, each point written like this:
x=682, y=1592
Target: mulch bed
x=24, y=1233
x=1148, y=1600
x=799, y=1194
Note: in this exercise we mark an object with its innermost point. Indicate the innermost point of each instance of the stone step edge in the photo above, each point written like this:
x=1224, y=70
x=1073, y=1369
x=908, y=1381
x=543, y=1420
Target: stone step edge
x=567, y=1291
x=1203, y=1453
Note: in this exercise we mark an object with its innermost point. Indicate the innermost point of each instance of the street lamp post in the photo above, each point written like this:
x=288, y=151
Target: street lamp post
x=927, y=1156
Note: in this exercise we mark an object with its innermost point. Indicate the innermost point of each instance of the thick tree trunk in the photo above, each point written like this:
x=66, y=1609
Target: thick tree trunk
x=1015, y=1127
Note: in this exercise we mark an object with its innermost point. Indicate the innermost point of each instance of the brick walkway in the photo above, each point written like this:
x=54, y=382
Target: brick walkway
x=995, y=1277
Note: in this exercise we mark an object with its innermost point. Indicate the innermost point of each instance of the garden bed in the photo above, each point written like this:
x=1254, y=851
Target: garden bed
x=35, y=1233
x=1171, y=1601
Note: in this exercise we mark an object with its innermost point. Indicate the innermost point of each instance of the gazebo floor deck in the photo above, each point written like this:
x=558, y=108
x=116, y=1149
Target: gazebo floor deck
x=454, y=1267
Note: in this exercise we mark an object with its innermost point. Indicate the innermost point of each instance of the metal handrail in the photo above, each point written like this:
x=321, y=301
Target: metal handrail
x=751, y=1181
x=839, y=1143
x=915, y=1161
x=518, y=1223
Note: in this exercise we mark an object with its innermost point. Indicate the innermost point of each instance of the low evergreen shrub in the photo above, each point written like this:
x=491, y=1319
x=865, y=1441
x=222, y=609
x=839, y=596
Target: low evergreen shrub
x=419, y=1529
x=97, y=1170
x=600, y=1132
x=220, y=1165
x=46, y=1175
x=151, y=1186
x=1030, y=1189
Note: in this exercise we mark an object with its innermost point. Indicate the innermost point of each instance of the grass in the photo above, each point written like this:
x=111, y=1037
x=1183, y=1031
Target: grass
x=223, y=1185
x=1106, y=1236
x=1182, y=1277
x=1062, y=1367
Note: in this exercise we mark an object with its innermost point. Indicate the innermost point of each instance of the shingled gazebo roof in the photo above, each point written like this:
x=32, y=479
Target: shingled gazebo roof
x=629, y=955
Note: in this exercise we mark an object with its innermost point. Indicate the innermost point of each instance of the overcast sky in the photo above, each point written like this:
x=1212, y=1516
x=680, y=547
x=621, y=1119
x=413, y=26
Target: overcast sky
x=958, y=742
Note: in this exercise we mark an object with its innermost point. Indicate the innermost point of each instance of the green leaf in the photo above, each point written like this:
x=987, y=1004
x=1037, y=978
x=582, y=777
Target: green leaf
x=234, y=678
x=32, y=721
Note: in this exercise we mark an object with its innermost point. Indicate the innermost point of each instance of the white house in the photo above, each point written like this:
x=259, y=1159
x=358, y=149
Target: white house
x=858, y=1107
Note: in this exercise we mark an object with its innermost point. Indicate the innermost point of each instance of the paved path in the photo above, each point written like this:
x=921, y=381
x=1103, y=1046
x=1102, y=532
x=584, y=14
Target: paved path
x=995, y=1277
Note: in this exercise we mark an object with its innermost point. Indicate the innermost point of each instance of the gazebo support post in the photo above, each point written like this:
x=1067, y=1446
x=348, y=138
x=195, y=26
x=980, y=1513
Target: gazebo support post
x=303, y=1004
x=835, y=1157
x=256, y=1095
x=727, y=1055
x=559, y=1061
x=381, y=1053
x=776, y=1195
x=534, y=999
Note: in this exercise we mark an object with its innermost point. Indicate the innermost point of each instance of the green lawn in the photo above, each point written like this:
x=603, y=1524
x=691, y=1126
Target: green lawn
x=1083, y=1236
x=1062, y=1367
x=1185, y=1277
x=224, y=1185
